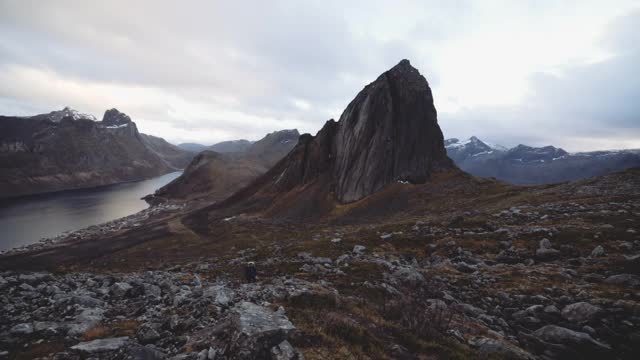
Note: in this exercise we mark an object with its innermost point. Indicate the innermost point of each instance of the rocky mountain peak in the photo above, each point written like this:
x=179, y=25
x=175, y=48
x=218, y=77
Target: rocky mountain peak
x=67, y=112
x=388, y=133
x=113, y=117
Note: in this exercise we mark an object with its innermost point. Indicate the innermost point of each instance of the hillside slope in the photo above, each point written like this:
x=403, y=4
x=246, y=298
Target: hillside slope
x=55, y=152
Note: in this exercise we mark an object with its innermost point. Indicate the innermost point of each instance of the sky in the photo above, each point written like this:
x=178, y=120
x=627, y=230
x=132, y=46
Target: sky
x=536, y=72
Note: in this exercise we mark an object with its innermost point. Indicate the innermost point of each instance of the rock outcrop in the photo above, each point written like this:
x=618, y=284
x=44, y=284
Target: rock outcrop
x=113, y=117
x=388, y=133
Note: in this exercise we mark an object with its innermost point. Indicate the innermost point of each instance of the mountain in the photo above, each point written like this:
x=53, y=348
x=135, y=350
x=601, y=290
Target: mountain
x=192, y=147
x=388, y=134
x=426, y=262
x=231, y=146
x=58, y=115
x=67, y=150
x=526, y=165
x=215, y=176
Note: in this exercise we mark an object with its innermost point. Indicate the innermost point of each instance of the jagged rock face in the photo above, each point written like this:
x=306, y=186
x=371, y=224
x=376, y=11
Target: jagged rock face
x=389, y=132
x=113, y=117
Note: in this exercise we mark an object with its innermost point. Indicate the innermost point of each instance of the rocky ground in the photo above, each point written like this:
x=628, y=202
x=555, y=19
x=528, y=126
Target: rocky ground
x=541, y=273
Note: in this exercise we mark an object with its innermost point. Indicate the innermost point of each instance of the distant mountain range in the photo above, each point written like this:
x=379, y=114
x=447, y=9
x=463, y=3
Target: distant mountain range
x=231, y=146
x=526, y=165
x=66, y=149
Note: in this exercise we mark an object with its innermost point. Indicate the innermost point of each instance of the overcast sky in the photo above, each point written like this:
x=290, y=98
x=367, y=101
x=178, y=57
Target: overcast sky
x=536, y=72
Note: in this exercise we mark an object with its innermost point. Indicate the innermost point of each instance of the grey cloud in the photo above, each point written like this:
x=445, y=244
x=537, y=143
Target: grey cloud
x=587, y=101
x=255, y=59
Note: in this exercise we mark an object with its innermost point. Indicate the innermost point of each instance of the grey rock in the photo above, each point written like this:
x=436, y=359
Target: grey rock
x=580, y=312
x=101, y=345
x=221, y=295
x=87, y=319
x=466, y=268
x=257, y=329
x=121, y=289
x=147, y=334
x=138, y=352
x=624, y=280
x=47, y=327
x=87, y=301
x=547, y=254
x=284, y=351
x=359, y=249
x=597, y=252
x=153, y=291
x=21, y=329
x=26, y=287
x=551, y=309
x=554, y=334
x=34, y=278
x=545, y=244
x=409, y=275
x=498, y=347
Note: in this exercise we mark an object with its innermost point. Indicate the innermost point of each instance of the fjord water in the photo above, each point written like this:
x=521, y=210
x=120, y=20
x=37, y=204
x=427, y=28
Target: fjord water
x=26, y=220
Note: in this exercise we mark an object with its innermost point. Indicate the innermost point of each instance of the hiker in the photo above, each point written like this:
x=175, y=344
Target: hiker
x=250, y=272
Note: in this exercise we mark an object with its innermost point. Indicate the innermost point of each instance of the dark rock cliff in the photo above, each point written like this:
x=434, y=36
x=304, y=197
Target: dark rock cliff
x=42, y=154
x=388, y=133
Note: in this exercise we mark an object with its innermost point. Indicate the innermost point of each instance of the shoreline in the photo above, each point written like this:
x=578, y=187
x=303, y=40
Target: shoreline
x=124, y=223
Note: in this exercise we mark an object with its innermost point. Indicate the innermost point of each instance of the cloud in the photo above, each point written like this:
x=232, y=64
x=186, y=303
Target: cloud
x=581, y=107
x=214, y=70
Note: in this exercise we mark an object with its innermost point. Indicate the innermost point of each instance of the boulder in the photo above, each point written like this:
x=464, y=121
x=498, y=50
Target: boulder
x=21, y=329
x=500, y=348
x=220, y=295
x=359, y=249
x=545, y=244
x=569, y=341
x=147, y=334
x=580, y=312
x=545, y=250
x=257, y=329
x=284, y=351
x=629, y=280
x=598, y=252
x=101, y=345
x=121, y=289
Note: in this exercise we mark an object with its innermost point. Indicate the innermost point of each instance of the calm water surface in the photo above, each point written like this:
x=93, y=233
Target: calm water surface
x=28, y=219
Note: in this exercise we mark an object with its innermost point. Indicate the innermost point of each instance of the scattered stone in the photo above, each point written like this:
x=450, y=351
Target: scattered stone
x=598, y=252
x=359, y=249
